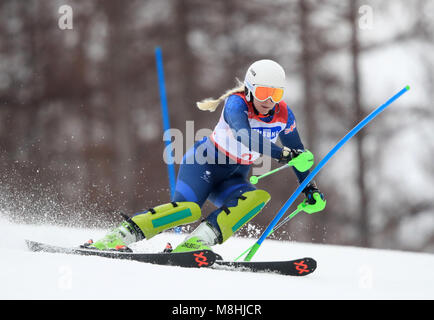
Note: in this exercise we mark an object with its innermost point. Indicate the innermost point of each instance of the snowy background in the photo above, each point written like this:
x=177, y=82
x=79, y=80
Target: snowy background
x=81, y=132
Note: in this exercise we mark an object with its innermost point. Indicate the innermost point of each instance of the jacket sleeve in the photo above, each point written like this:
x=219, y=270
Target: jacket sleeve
x=291, y=139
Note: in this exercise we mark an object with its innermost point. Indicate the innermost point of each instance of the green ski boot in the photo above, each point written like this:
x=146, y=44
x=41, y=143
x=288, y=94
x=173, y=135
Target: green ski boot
x=146, y=224
x=201, y=238
x=117, y=239
x=192, y=244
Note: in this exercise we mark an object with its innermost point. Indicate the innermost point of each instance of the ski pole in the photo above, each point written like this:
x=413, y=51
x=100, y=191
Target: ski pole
x=166, y=120
x=302, y=163
x=255, y=179
x=300, y=207
x=321, y=164
x=292, y=215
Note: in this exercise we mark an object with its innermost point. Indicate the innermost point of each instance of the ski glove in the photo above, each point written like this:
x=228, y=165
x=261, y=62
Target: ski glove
x=302, y=160
x=315, y=200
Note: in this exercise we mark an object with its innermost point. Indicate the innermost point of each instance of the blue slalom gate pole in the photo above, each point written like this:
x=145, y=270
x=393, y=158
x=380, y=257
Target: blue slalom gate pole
x=321, y=164
x=166, y=122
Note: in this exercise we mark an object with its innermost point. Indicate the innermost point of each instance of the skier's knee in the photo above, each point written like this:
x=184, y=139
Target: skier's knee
x=237, y=212
x=166, y=216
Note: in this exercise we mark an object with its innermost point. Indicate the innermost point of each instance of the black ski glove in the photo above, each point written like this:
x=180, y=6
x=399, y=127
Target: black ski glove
x=315, y=200
x=310, y=189
x=288, y=154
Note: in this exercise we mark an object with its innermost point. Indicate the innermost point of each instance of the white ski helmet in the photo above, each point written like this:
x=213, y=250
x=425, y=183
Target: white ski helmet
x=267, y=73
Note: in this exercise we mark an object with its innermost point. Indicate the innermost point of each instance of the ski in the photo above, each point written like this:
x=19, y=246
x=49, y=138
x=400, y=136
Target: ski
x=191, y=259
x=297, y=267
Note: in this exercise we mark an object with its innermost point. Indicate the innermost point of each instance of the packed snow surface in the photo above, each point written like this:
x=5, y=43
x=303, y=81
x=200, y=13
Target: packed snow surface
x=342, y=273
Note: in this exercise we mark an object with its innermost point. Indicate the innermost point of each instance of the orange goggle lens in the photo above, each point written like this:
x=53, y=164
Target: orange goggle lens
x=263, y=93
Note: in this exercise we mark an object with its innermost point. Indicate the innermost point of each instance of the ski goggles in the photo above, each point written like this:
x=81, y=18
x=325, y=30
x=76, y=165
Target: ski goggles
x=262, y=93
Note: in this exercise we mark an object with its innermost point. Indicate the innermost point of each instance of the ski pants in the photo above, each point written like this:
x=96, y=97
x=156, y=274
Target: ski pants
x=220, y=183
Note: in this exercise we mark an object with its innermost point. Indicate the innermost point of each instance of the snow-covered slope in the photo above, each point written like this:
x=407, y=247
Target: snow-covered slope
x=342, y=273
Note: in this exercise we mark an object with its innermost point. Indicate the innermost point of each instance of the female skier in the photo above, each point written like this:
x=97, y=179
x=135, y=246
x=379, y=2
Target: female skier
x=216, y=168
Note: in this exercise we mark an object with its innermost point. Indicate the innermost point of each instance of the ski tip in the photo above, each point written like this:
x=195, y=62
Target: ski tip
x=407, y=87
x=305, y=266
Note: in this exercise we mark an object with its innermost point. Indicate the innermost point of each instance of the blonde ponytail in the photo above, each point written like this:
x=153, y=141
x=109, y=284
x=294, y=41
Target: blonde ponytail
x=211, y=104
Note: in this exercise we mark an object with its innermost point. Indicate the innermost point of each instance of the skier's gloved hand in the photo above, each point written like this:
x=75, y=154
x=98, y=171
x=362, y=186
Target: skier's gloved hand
x=302, y=160
x=288, y=154
x=315, y=200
